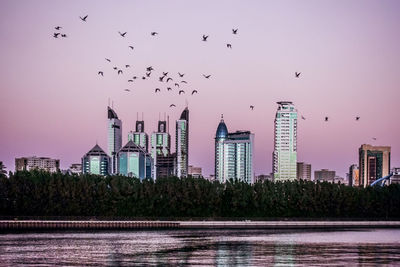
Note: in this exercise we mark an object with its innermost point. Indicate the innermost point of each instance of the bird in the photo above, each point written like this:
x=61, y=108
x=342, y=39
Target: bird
x=122, y=34
x=148, y=74
x=119, y=72
x=252, y=107
x=357, y=118
x=374, y=138
x=109, y=60
x=157, y=90
x=169, y=79
x=194, y=92
x=302, y=117
x=205, y=37
x=297, y=74
x=131, y=47
x=154, y=33
x=161, y=78
x=234, y=31
x=181, y=74
x=115, y=68
x=172, y=105
x=58, y=28
x=149, y=68
x=100, y=73
x=229, y=46
x=177, y=84
x=127, y=90
x=183, y=81
x=207, y=76
x=63, y=35
x=181, y=91
x=143, y=78
x=165, y=73
x=55, y=35
x=169, y=88
x=134, y=77
x=84, y=18
x=130, y=81
x=127, y=66
x=326, y=118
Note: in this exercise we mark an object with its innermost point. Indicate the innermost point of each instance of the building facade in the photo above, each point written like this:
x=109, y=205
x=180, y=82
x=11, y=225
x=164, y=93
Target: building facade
x=133, y=161
x=75, y=168
x=233, y=155
x=160, y=145
x=374, y=163
x=114, y=137
x=182, y=144
x=139, y=137
x=285, y=142
x=395, y=179
x=325, y=175
x=166, y=165
x=194, y=172
x=39, y=163
x=303, y=171
x=354, y=175
x=96, y=161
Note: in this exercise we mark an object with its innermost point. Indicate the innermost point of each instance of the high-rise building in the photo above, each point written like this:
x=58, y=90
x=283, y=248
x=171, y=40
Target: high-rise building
x=303, y=171
x=374, y=163
x=165, y=165
x=354, y=175
x=325, y=175
x=133, y=161
x=39, y=163
x=285, y=142
x=96, y=161
x=182, y=144
x=139, y=137
x=114, y=137
x=233, y=155
x=160, y=145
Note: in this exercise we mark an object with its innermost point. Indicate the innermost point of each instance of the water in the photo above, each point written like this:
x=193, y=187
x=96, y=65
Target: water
x=202, y=248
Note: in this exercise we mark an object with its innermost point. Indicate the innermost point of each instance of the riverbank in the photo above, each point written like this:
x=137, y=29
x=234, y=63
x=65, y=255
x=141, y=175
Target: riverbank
x=128, y=225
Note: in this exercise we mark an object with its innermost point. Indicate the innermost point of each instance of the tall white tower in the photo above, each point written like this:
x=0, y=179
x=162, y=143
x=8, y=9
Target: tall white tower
x=285, y=142
x=182, y=144
x=114, y=137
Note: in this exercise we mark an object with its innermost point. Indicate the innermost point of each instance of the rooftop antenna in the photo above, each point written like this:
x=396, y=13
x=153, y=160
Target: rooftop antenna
x=164, y=116
x=168, y=124
x=112, y=104
x=159, y=116
x=187, y=103
x=137, y=116
x=108, y=101
x=142, y=117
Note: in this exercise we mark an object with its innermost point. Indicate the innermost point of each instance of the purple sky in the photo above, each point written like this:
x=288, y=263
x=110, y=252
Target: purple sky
x=53, y=103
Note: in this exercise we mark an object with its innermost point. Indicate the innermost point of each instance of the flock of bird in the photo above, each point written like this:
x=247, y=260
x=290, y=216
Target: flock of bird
x=177, y=82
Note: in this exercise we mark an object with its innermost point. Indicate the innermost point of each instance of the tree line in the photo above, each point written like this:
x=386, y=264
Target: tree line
x=38, y=193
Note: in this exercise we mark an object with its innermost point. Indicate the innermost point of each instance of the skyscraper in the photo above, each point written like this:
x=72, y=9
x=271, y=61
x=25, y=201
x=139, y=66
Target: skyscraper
x=182, y=144
x=374, y=163
x=233, y=155
x=354, y=175
x=133, y=161
x=114, y=137
x=139, y=137
x=303, y=171
x=285, y=142
x=96, y=161
x=160, y=144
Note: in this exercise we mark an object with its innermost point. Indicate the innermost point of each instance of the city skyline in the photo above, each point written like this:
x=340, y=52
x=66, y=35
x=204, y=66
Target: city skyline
x=53, y=100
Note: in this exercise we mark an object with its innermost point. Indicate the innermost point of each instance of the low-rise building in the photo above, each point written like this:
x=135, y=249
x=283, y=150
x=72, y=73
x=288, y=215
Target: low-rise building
x=324, y=175
x=39, y=163
x=195, y=172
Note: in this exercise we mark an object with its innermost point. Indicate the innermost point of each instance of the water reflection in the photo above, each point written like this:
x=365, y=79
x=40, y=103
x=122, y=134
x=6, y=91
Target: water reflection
x=205, y=248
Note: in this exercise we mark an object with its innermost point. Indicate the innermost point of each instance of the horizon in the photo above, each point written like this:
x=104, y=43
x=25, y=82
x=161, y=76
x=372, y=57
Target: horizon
x=54, y=102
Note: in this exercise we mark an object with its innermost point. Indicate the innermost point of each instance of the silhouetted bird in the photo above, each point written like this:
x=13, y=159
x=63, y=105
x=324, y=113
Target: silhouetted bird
x=181, y=74
x=207, y=76
x=115, y=68
x=205, y=37
x=127, y=90
x=374, y=138
x=127, y=66
x=100, y=73
x=169, y=88
x=130, y=81
x=234, y=31
x=149, y=68
x=58, y=28
x=134, y=77
x=357, y=118
x=148, y=74
x=143, y=78
x=302, y=117
x=181, y=91
x=157, y=90
x=194, y=92
x=326, y=118
x=154, y=33
x=119, y=72
x=172, y=105
x=131, y=47
x=165, y=73
x=229, y=46
x=56, y=34
x=161, y=78
x=177, y=84
x=122, y=34
x=183, y=81
x=84, y=18
x=252, y=107
x=109, y=60
x=297, y=74
x=63, y=35
x=169, y=79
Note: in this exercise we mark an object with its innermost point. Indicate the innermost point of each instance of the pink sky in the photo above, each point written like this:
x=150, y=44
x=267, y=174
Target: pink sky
x=53, y=103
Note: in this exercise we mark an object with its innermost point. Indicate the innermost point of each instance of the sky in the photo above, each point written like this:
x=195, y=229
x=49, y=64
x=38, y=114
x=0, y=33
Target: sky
x=53, y=102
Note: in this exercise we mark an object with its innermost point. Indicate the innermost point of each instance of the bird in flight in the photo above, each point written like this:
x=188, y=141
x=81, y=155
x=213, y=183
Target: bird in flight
x=181, y=74
x=194, y=92
x=143, y=78
x=157, y=90
x=229, y=46
x=165, y=73
x=161, y=78
x=169, y=79
x=127, y=90
x=183, y=81
x=131, y=47
x=154, y=33
x=177, y=84
x=181, y=91
x=115, y=68
x=149, y=68
x=172, y=105
x=357, y=118
x=148, y=74
x=56, y=34
x=374, y=138
x=297, y=74
x=119, y=72
x=205, y=37
x=302, y=117
x=84, y=18
x=122, y=34
x=127, y=66
x=252, y=107
x=134, y=77
x=326, y=118
x=100, y=73
x=234, y=31
x=130, y=81
x=207, y=76
x=63, y=35
x=109, y=60
x=169, y=88
x=58, y=28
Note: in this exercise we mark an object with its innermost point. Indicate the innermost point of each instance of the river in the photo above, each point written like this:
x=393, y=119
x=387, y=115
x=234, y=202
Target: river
x=202, y=248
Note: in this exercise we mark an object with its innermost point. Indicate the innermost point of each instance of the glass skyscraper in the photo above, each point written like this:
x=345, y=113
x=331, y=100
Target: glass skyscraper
x=285, y=142
x=160, y=143
x=96, y=161
x=133, y=161
x=233, y=155
x=182, y=144
x=139, y=137
x=114, y=137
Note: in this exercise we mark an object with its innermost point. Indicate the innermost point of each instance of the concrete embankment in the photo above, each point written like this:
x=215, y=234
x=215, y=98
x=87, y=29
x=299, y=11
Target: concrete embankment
x=98, y=225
